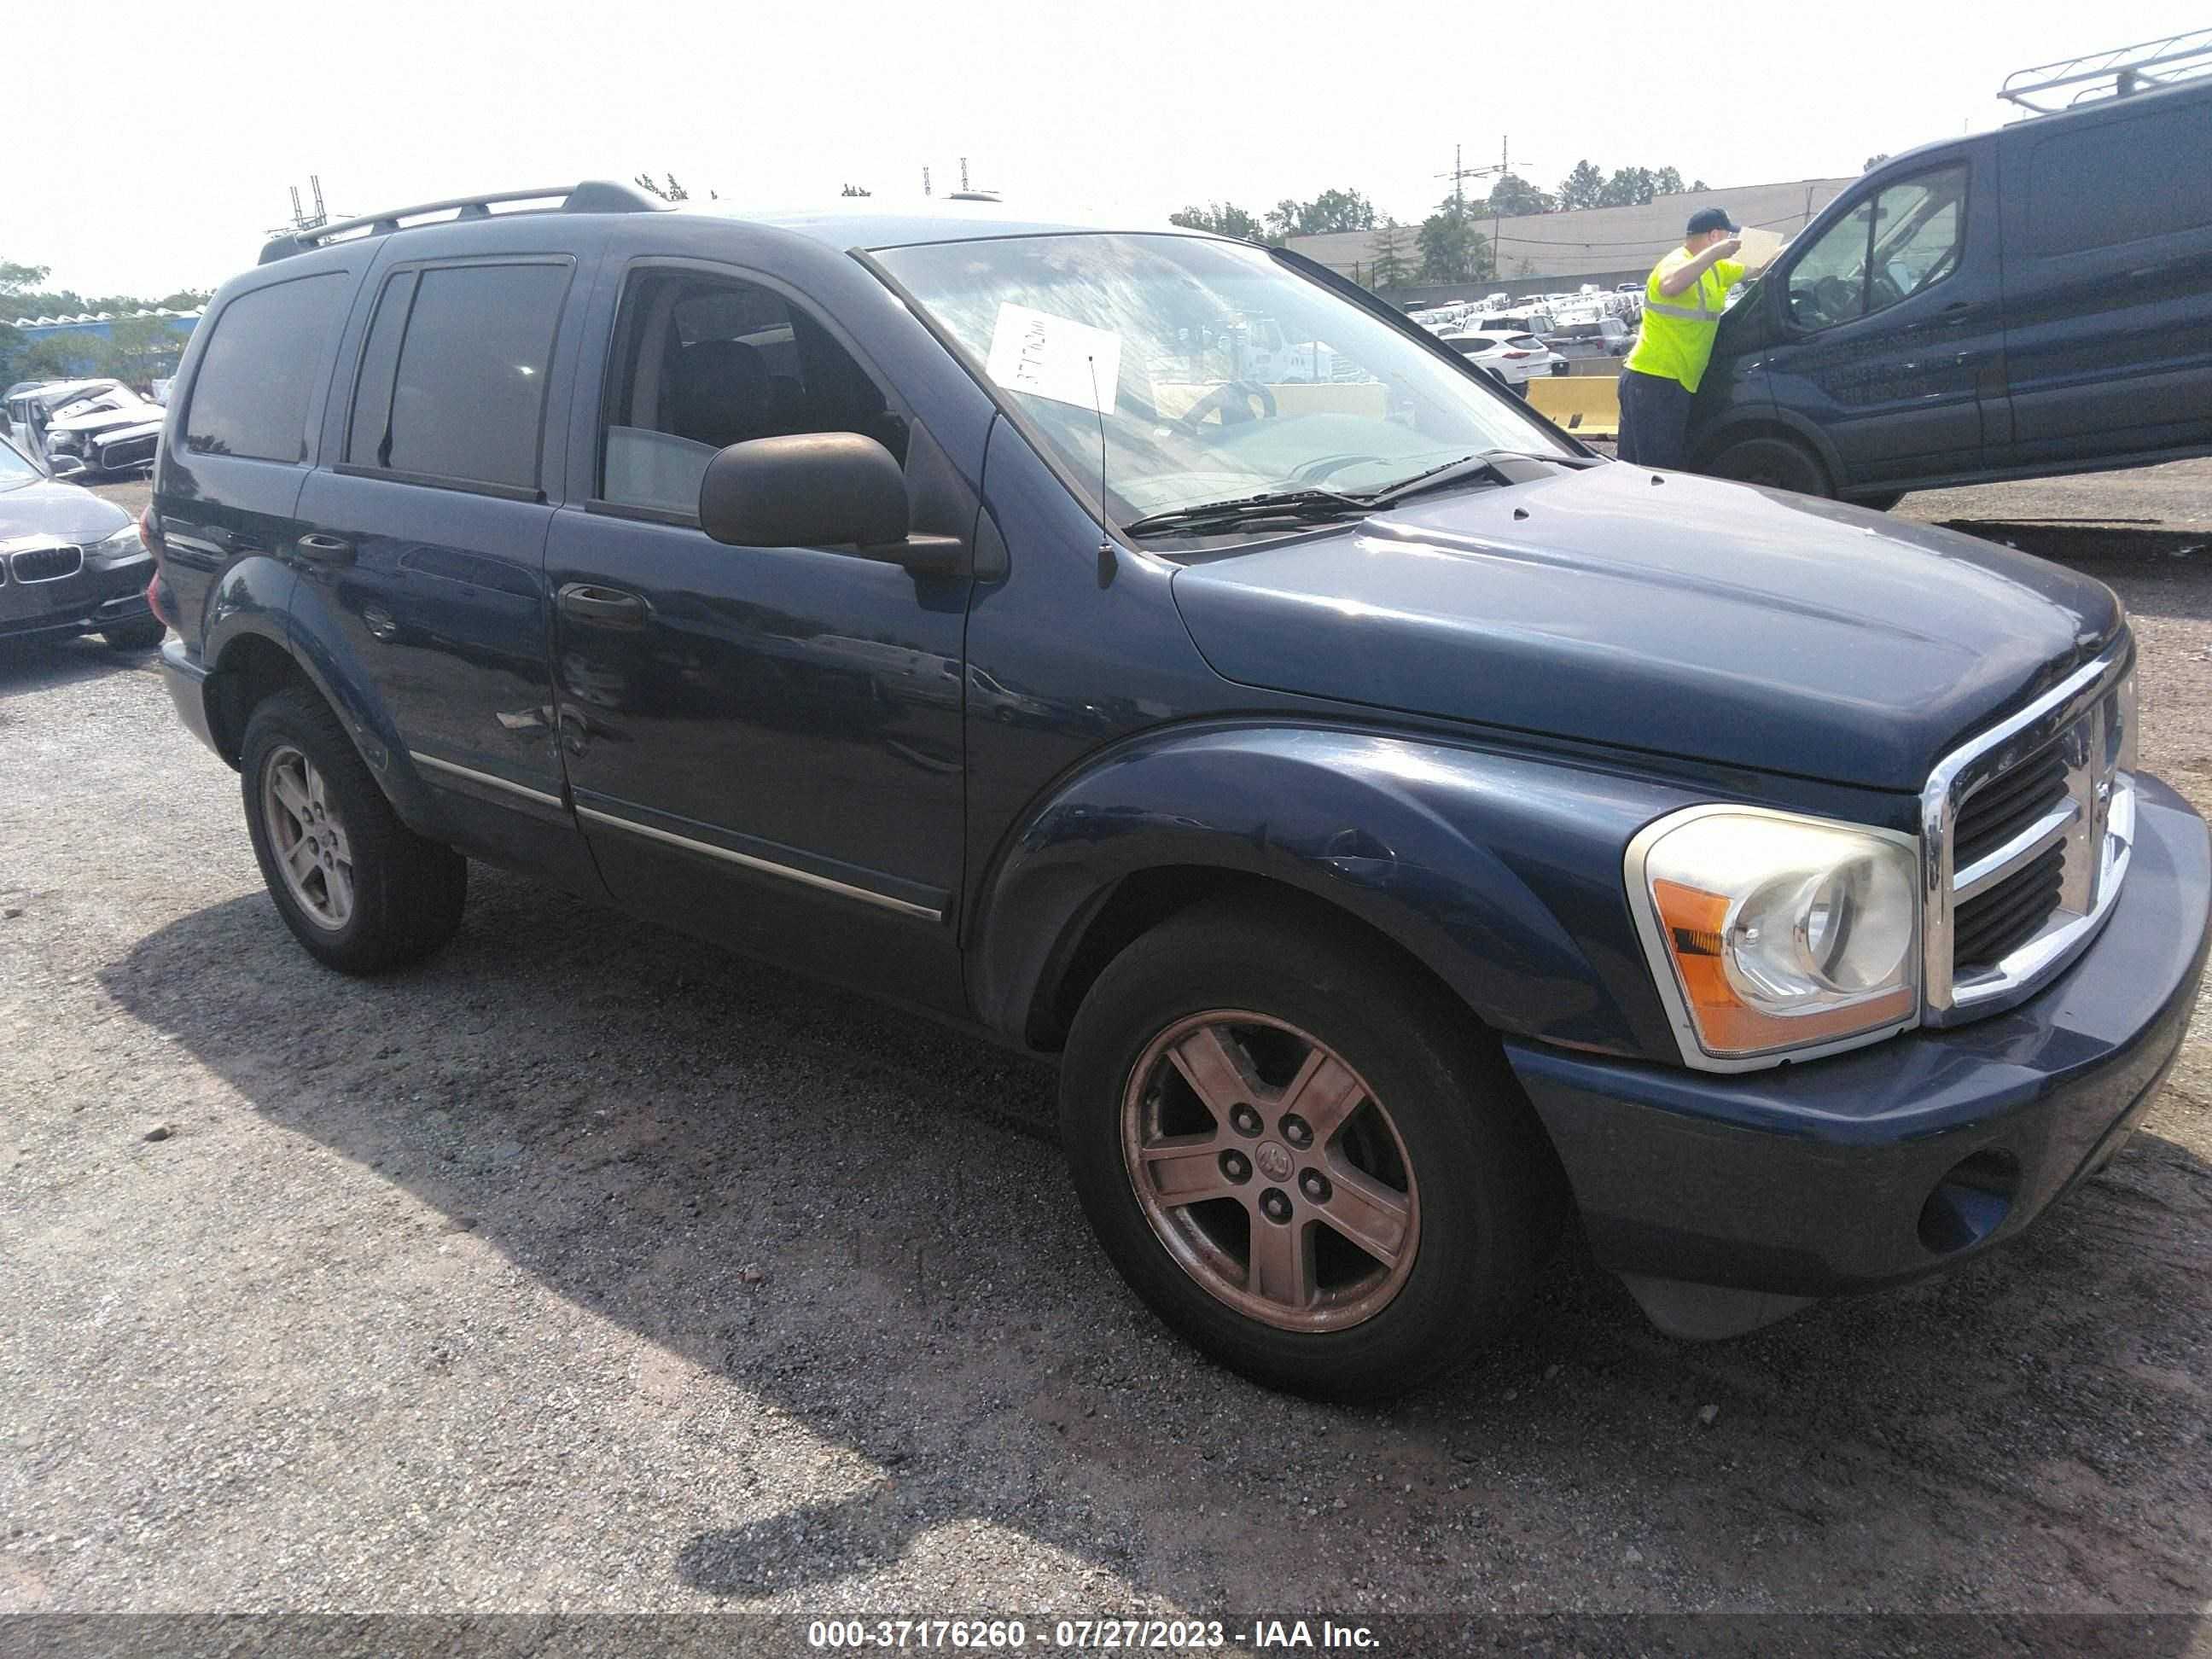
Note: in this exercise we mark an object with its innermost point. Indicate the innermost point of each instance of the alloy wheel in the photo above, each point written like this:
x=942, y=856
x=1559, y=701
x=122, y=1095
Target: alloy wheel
x=314, y=852
x=1270, y=1170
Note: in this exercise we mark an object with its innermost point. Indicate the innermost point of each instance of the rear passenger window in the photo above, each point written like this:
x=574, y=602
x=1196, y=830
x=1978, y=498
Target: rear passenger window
x=702, y=362
x=2073, y=203
x=452, y=381
x=258, y=375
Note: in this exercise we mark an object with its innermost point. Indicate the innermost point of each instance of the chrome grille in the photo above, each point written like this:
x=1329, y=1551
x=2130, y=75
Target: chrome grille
x=2026, y=832
x=46, y=564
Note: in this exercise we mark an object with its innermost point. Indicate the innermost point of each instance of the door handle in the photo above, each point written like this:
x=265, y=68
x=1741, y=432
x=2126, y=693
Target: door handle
x=326, y=550
x=608, y=607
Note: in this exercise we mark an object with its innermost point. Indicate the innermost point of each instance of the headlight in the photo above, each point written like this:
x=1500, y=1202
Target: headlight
x=119, y=549
x=1773, y=936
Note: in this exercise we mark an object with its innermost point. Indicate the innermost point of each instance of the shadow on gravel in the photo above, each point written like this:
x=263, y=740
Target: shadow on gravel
x=818, y=1202
x=32, y=665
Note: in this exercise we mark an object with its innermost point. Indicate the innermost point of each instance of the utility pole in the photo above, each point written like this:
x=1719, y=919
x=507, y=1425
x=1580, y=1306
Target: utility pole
x=963, y=173
x=1461, y=173
x=925, y=181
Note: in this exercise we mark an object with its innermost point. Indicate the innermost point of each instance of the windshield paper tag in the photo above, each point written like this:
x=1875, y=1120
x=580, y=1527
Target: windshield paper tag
x=1049, y=356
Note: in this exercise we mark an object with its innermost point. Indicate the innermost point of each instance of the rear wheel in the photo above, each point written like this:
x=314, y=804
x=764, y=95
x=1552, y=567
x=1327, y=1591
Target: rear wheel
x=360, y=890
x=140, y=635
x=1776, y=463
x=1303, y=1156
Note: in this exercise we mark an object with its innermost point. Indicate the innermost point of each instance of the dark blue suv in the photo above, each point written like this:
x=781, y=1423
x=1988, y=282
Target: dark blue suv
x=1408, y=830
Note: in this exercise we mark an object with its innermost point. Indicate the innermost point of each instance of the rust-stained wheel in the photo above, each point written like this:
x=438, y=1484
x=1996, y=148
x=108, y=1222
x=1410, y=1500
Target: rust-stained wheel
x=1308, y=1157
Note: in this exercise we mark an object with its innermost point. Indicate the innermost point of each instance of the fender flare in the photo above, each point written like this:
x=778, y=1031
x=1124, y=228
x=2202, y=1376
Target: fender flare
x=251, y=601
x=1500, y=874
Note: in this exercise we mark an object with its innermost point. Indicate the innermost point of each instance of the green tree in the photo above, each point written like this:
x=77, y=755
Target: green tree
x=1335, y=209
x=1391, y=269
x=1666, y=182
x=1452, y=249
x=1223, y=218
x=1875, y=161
x=1583, y=187
x=671, y=191
x=1700, y=184
x=1629, y=187
x=142, y=349
x=855, y=190
x=1512, y=195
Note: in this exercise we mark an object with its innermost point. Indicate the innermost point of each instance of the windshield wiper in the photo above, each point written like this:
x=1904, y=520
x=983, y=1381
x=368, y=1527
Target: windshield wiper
x=1304, y=506
x=1319, y=506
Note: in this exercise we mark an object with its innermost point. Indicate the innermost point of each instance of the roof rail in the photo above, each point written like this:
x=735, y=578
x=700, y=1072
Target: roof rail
x=592, y=196
x=2110, y=73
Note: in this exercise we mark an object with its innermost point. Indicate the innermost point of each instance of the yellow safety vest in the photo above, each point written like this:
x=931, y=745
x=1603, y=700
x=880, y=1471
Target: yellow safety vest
x=1676, y=341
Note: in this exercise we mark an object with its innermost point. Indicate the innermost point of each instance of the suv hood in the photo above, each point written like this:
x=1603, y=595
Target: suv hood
x=1665, y=612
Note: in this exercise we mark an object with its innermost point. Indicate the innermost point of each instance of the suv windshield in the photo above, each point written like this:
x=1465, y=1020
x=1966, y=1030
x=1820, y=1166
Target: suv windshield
x=1217, y=373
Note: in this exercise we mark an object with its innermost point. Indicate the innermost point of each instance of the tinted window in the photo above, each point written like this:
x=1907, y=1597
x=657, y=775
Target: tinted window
x=468, y=387
x=2074, y=202
x=257, y=373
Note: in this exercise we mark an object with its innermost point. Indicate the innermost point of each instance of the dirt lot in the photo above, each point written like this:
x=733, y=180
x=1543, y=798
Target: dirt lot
x=588, y=1268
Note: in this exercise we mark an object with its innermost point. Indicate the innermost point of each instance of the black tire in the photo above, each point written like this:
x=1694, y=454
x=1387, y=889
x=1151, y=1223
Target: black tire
x=407, y=893
x=140, y=635
x=1776, y=463
x=1492, y=1194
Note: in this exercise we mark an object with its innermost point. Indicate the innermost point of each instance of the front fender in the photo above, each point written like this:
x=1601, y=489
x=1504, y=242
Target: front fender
x=1502, y=873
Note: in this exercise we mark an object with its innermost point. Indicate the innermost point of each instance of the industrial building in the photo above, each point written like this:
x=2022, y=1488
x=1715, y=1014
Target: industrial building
x=1542, y=252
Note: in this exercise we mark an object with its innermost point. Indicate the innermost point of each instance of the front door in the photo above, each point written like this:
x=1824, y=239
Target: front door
x=763, y=744
x=1893, y=328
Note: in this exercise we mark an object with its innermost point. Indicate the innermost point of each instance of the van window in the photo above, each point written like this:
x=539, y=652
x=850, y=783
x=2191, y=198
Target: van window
x=452, y=381
x=258, y=374
x=1888, y=248
x=2072, y=204
x=705, y=361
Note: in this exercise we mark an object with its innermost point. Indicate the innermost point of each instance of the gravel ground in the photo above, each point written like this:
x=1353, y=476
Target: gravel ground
x=589, y=1268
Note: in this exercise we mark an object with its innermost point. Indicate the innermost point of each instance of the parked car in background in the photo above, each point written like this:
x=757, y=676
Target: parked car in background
x=1408, y=830
x=2030, y=301
x=116, y=431
x=70, y=562
x=89, y=425
x=1515, y=359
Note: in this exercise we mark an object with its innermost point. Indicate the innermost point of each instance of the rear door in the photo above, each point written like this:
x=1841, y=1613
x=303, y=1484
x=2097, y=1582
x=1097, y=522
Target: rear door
x=2108, y=279
x=1891, y=330
x=423, y=572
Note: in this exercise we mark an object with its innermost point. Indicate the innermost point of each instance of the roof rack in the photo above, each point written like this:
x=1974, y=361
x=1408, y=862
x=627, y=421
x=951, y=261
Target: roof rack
x=2112, y=74
x=592, y=196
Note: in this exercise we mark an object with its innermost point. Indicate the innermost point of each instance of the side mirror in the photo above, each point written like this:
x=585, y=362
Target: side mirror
x=829, y=489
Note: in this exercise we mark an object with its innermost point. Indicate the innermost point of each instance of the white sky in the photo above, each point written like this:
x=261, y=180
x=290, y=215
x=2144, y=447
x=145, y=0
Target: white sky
x=1132, y=107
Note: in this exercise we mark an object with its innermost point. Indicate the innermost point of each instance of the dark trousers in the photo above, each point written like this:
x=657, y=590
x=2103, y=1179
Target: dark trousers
x=1655, y=421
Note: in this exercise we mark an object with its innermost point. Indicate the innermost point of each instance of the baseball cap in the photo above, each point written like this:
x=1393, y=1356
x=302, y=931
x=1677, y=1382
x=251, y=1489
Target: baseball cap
x=1705, y=219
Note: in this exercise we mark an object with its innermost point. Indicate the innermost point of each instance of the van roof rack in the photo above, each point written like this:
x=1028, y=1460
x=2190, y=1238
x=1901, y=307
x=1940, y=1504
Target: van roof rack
x=2112, y=74
x=592, y=196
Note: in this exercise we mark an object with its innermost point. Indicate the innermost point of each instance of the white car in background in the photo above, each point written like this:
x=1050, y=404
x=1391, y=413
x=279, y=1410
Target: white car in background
x=1514, y=358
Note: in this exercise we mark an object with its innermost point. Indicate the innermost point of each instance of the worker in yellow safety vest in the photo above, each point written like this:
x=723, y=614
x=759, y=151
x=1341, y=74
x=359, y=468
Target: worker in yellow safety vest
x=1682, y=306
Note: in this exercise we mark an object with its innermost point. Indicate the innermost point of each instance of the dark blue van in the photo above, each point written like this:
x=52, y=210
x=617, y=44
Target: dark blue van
x=2036, y=300
x=1407, y=831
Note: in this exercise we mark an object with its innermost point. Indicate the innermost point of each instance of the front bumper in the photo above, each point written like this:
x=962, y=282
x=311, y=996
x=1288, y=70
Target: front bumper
x=1725, y=1202
x=95, y=598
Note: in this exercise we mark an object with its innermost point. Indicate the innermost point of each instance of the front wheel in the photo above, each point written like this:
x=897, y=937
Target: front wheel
x=1306, y=1159
x=1776, y=463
